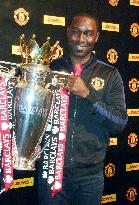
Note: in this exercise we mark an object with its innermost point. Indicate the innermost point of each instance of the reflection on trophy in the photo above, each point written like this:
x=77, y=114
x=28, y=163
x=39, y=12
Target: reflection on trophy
x=33, y=98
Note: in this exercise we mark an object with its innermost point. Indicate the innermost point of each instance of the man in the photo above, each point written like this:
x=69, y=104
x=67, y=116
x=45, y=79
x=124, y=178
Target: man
x=96, y=110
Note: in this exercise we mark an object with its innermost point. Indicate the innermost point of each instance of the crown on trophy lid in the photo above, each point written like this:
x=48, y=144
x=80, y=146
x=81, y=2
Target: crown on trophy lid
x=32, y=53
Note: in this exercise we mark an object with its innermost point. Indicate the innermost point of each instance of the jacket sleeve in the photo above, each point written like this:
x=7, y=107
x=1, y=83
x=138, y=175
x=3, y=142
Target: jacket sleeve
x=110, y=109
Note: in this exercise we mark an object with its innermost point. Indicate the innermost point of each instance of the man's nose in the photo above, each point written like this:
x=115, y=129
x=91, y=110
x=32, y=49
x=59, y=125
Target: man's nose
x=82, y=37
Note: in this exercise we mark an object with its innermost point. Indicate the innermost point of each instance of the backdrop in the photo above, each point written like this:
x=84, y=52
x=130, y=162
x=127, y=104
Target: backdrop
x=118, y=45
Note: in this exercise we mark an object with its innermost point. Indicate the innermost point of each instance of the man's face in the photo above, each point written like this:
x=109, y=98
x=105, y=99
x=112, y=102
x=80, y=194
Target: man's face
x=82, y=36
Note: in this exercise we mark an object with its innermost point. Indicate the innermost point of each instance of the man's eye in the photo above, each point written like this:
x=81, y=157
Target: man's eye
x=75, y=32
x=88, y=34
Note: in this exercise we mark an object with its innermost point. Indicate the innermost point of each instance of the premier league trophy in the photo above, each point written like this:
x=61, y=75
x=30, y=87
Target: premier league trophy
x=33, y=95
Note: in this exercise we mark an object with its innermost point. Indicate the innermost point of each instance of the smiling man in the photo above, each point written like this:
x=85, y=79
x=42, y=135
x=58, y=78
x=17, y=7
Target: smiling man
x=82, y=36
x=96, y=110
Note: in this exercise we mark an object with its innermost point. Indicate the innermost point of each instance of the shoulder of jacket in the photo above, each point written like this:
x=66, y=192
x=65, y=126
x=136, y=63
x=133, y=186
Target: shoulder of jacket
x=106, y=65
x=110, y=69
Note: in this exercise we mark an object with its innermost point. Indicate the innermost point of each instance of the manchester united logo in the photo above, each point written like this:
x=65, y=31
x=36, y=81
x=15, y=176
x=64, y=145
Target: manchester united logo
x=109, y=170
x=131, y=194
x=114, y=2
x=21, y=16
x=112, y=56
x=132, y=140
x=97, y=83
x=134, y=85
x=134, y=29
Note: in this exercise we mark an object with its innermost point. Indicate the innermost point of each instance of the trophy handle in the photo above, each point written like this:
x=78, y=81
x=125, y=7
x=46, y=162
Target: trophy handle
x=10, y=70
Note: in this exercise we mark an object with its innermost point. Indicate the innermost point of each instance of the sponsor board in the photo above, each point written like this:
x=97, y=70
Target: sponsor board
x=19, y=183
x=108, y=198
x=113, y=141
x=132, y=167
x=133, y=112
x=110, y=27
x=133, y=57
x=54, y=20
x=16, y=50
x=134, y=2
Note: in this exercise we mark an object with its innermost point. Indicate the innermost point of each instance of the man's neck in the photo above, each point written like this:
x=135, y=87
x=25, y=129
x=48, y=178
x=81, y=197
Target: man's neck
x=79, y=60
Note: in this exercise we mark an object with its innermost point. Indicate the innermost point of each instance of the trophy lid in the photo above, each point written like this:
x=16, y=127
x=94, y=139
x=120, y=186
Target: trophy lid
x=32, y=53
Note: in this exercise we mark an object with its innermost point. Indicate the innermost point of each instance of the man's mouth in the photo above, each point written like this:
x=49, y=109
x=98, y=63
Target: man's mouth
x=80, y=47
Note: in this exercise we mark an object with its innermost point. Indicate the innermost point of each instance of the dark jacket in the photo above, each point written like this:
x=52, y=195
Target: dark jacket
x=92, y=120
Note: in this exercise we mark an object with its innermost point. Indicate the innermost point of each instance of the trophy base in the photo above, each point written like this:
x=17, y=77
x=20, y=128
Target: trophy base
x=24, y=164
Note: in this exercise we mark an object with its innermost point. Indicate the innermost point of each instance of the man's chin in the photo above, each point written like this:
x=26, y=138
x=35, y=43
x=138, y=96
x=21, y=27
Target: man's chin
x=79, y=53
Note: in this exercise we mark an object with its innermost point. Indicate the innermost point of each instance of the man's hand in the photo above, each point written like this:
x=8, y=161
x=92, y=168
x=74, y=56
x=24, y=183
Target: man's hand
x=77, y=86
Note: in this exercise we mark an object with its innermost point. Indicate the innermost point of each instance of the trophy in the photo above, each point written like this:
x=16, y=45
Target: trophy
x=33, y=95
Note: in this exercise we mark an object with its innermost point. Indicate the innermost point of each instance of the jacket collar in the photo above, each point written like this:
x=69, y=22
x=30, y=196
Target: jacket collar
x=68, y=62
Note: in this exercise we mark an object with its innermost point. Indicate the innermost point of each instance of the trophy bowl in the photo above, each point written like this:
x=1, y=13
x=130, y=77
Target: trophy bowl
x=32, y=104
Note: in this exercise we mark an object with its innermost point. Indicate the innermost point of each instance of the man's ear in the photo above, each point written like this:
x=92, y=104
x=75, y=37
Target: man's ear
x=97, y=36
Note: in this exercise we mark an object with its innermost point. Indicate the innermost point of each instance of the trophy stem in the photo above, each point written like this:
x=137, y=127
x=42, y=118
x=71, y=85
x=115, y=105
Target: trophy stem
x=25, y=164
